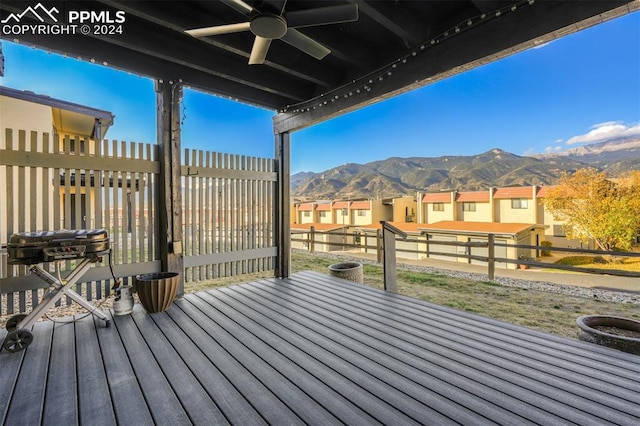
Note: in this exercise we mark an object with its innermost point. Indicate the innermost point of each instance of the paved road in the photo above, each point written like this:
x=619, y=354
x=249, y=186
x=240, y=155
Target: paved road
x=608, y=282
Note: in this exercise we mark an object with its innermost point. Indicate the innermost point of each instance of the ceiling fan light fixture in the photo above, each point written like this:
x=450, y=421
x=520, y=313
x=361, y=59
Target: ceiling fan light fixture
x=267, y=25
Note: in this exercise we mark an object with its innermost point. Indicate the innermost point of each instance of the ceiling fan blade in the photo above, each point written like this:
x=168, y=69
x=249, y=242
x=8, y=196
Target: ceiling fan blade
x=219, y=30
x=322, y=16
x=308, y=45
x=276, y=5
x=259, y=50
x=240, y=6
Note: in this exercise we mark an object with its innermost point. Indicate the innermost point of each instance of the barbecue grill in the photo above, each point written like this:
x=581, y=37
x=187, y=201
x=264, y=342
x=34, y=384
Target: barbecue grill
x=34, y=248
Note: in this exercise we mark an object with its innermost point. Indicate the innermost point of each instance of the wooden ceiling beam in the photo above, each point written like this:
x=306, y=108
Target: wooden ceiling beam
x=395, y=19
x=485, y=6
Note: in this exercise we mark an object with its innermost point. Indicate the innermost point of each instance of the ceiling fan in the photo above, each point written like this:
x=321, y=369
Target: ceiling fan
x=269, y=25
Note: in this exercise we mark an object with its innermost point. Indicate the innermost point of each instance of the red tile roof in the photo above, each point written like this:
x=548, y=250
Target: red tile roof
x=403, y=226
x=438, y=197
x=316, y=226
x=306, y=207
x=478, y=227
x=513, y=192
x=324, y=207
x=341, y=205
x=361, y=205
x=475, y=196
x=542, y=192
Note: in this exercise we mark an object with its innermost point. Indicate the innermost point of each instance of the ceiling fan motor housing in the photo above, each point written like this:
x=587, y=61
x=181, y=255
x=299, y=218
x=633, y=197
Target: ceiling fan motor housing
x=267, y=25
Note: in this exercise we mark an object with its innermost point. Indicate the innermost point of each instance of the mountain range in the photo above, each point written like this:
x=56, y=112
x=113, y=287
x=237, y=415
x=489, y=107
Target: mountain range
x=494, y=168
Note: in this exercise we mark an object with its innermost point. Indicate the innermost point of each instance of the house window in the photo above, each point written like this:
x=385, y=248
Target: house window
x=306, y=214
x=558, y=231
x=469, y=207
x=361, y=213
x=72, y=146
x=322, y=214
x=438, y=207
x=345, y=212
x=519, y=203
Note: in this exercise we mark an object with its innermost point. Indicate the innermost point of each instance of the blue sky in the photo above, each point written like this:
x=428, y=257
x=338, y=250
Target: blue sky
x=579, y=89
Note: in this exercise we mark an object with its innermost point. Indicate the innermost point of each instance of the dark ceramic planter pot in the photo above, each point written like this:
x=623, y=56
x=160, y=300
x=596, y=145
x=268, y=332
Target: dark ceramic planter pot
x=157, y=291
x=351, y=271
x=613, y=332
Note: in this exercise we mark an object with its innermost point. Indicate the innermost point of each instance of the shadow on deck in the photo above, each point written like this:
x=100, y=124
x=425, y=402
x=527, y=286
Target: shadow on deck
x=317, y=350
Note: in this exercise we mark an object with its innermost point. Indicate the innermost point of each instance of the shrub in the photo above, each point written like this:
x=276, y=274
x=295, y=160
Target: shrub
x=580, y=260
x=545, y=252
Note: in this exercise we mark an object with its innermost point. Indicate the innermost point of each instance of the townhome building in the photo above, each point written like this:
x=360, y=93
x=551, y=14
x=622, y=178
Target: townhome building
x=508, y=205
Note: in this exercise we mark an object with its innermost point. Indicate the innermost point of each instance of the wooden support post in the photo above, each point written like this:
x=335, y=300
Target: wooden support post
x=389, y=233
x=169, y=200
x=282, y=210
x=378, y=246
x=312, y=239
x=491, y=254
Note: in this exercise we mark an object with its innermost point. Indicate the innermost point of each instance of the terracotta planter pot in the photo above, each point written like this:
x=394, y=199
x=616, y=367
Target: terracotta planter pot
x=157, y=291
x=351, y=271
x=599, y=329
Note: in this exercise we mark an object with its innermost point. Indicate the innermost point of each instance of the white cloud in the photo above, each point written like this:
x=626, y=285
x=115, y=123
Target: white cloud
x=551, y=149
x=606, y=131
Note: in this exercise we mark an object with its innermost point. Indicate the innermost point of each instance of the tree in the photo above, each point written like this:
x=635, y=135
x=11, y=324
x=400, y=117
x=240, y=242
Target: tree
x=593, y=207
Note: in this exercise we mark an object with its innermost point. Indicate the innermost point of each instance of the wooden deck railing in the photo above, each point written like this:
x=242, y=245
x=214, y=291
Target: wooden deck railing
x=311, y=240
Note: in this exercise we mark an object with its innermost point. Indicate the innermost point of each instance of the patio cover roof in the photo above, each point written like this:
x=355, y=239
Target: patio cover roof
x=393, y=46
x=68, y=117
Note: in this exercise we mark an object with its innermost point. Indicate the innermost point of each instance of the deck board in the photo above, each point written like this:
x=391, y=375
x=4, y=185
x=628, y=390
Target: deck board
x=128, y=401
x=282, y=359
x=9, y=371
x=94, y=400
x=27, y=401
x=196, y=401
x=164, y=405
x=312, y=349
x=61, y=404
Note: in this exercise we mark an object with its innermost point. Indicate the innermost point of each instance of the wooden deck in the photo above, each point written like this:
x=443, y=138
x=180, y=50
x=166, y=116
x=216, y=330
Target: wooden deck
x=312, y=350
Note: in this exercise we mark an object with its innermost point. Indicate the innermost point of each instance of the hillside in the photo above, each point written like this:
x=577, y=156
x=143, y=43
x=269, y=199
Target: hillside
x=404, y=176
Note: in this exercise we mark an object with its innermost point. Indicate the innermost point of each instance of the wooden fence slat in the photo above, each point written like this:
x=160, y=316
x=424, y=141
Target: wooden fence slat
x=107, y=194
x=152, y=225
x=35, y=198
x=22, y=208
x=215, y=162
x=207, y=217
x=185, y=214
x=124, y=226
x=201, y=215
x=10, y=215
x=225, y=211
x=194, y=215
